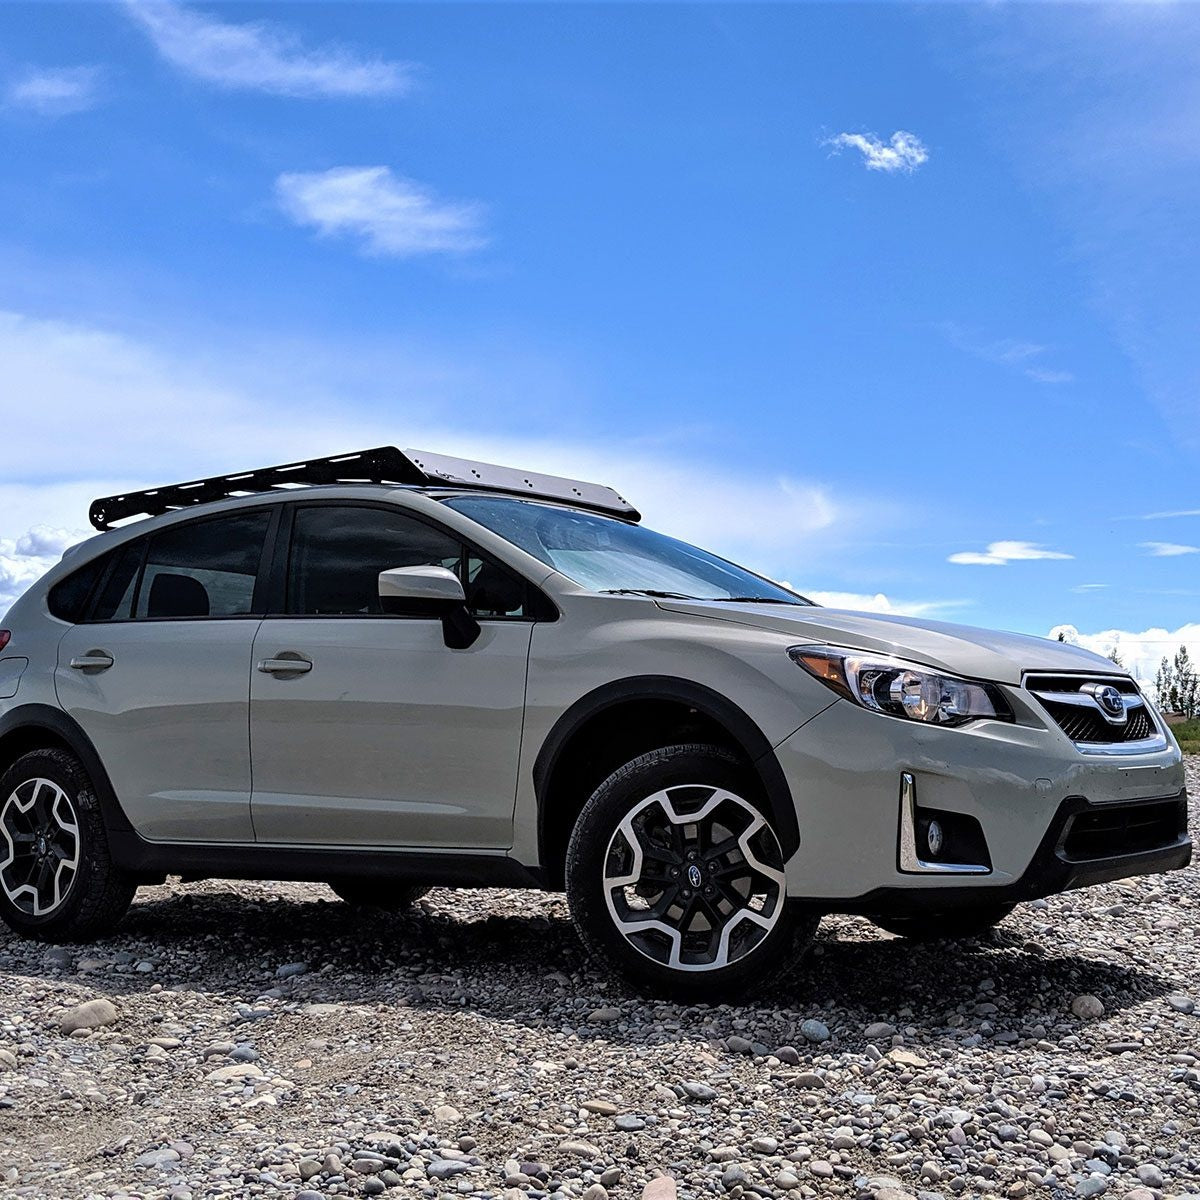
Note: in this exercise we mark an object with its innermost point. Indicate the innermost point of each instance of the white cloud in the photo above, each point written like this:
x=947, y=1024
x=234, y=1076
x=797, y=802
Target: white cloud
x=1083, y=588
x=905, y=152
x=1167, y=549
x=393, y=216
x=1000, y=554
x=55, y=91
x=1141, y=652
x=879, y=603
x=1179, y=512
x=260, y=56
x=1008, y=352
x=179, y=421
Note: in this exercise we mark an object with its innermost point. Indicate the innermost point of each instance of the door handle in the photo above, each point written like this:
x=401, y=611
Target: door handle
x=97, y=660
x=285, y=666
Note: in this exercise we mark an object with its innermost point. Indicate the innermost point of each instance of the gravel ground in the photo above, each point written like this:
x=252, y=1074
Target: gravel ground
x=265, y=1040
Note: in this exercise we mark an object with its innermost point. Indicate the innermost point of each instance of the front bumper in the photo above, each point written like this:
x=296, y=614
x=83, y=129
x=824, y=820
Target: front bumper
x=1031, y=791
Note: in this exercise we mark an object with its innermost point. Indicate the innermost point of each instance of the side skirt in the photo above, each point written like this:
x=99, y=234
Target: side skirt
x=152, y=861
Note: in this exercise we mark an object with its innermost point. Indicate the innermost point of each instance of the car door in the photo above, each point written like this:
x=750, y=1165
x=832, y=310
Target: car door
x=381, y=735
x=158, y=675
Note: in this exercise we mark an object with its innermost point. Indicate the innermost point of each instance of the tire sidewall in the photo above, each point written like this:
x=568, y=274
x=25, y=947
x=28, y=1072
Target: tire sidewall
x=586, y=854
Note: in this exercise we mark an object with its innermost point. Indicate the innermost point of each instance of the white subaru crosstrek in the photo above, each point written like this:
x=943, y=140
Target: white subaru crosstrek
x=390, y=670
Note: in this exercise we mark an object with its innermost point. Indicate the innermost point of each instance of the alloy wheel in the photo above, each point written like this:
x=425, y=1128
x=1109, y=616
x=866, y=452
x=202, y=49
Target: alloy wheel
x=40, y=845
x=693, y=878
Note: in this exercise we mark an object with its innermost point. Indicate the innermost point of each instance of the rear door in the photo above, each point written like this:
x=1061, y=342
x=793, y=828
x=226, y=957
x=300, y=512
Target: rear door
x=382, y=735
x=158, y=675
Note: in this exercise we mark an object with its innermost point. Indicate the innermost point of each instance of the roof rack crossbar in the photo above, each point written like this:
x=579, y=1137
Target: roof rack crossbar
x=383, y=464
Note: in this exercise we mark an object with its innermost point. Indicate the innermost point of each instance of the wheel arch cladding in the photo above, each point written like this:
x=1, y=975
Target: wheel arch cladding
x=39, y=726
x=620, y=720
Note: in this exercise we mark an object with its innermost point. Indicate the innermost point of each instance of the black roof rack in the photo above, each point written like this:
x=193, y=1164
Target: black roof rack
x=384, y=464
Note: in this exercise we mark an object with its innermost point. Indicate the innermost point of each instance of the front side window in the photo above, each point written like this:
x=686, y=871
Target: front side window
x=338, y=552
x=203, y=569
x=606, y=555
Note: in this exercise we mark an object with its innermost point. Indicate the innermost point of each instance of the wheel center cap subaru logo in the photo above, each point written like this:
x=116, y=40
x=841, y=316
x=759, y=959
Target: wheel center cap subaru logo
x=694, y=876
x=1111, y=701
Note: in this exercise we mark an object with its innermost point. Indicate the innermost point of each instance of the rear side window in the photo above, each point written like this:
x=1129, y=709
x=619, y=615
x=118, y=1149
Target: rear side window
x=68, y=597
x=203, y=569
x=115, y=602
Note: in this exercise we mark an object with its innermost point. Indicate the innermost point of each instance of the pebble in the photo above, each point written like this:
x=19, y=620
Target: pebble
x=91, y=1014
x=1087, y=1008
x=814, y=1031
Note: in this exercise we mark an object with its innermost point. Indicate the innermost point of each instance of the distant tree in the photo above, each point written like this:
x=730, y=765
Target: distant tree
x=1114, y=653
x=1186, y=684
x=1062, y=637
x=1164, y=680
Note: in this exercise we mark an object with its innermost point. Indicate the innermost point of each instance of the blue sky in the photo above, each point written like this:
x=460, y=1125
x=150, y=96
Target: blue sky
x=898, y=304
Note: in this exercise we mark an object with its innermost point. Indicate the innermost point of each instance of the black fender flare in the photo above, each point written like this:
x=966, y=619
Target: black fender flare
x=32, y=717
x=740, y=726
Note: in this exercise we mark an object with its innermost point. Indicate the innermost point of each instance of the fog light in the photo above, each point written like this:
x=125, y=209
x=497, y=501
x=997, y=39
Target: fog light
x=934, y=839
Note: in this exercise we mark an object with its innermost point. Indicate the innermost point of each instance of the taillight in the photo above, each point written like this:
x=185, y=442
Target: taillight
x=5, y=638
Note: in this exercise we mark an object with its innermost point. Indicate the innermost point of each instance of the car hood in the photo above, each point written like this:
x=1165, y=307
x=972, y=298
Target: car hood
x=959, y=649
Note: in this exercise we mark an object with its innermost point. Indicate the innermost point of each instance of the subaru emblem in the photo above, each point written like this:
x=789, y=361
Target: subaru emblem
x=694, y=876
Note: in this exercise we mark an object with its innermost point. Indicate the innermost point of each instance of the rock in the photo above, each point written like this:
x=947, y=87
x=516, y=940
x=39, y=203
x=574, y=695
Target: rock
x=8, y=1060
x=597, y=1191
x=579, y=1148
x=810, y=1081
x=821, y=1169
x=662, y=1188
x=699, y=1091
x=1091, y=1185
x=764, y=1145
x=446, y=1114
x=604, y=1016
x=447, y=1168
x=786, y=1180
x=879, y=1030
x=602, y=1108
x=308, y=1168
x=732, y=1176
x=906, y=1058
x=291, y=970
x=738, y=1045
x=1087, y=1008
x=157, y=1158
x=789, y=1055
x=814, y=1031
x=1150, y=1175
x=235, y=1072
x=92, y=1014
x=629, y=1123
x=1182, y=1004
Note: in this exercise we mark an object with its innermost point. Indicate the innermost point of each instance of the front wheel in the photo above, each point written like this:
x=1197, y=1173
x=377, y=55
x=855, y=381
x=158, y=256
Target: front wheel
x=57, y=879
x=675, y=878
x=970, y=921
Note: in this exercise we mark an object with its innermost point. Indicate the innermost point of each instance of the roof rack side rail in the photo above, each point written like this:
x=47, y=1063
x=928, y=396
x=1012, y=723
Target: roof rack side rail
x=384, y=464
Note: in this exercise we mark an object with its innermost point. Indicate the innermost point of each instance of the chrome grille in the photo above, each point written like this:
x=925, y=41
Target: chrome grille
x=1073, y=701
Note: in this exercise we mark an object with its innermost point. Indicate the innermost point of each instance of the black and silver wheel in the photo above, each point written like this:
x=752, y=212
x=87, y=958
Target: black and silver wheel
x=57, y=880
x=675, y=876
x=969, y=921
x=385, y=895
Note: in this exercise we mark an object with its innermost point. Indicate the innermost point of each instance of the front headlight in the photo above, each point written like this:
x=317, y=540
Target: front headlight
x=900, y=689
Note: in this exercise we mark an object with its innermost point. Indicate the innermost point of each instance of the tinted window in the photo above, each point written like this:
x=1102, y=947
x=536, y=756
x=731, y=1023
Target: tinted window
x=339, y=551
x=115, y=602
x=68, y=598
x=204, y=569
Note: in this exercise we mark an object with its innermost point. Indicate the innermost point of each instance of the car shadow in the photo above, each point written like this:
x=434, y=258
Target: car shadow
x=526, y=963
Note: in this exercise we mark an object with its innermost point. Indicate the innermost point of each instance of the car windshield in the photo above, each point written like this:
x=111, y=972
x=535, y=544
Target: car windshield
x=607, y=555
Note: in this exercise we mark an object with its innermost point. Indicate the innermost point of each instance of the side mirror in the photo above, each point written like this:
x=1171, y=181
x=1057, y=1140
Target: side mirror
x=430, y=592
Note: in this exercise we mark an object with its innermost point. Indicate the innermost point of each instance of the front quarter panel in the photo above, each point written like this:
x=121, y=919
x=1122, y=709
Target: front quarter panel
x=601, y=640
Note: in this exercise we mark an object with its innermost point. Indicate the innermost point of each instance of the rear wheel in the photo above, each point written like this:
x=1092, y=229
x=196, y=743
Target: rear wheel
x=675, y=878
x=378, y=893
x=974, y=920
x=57, y=879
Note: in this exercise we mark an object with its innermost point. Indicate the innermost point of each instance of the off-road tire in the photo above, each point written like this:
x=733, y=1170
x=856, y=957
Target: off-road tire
x=99, y=893
x=702, y=766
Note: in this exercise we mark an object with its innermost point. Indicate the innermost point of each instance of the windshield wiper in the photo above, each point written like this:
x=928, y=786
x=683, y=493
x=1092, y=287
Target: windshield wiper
x=759, y=600
x=647, y=592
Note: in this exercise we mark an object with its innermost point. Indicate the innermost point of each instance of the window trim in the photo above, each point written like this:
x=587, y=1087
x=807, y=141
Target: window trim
x=539, y=607
x=258, y=598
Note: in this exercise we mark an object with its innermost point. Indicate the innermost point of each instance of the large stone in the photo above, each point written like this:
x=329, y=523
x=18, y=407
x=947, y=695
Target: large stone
x=1087, y=1008
x=92, y=1014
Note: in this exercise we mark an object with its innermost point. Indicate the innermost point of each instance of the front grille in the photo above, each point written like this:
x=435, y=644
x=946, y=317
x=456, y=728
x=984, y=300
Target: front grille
x=1124, y=829
x=1084, y=723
